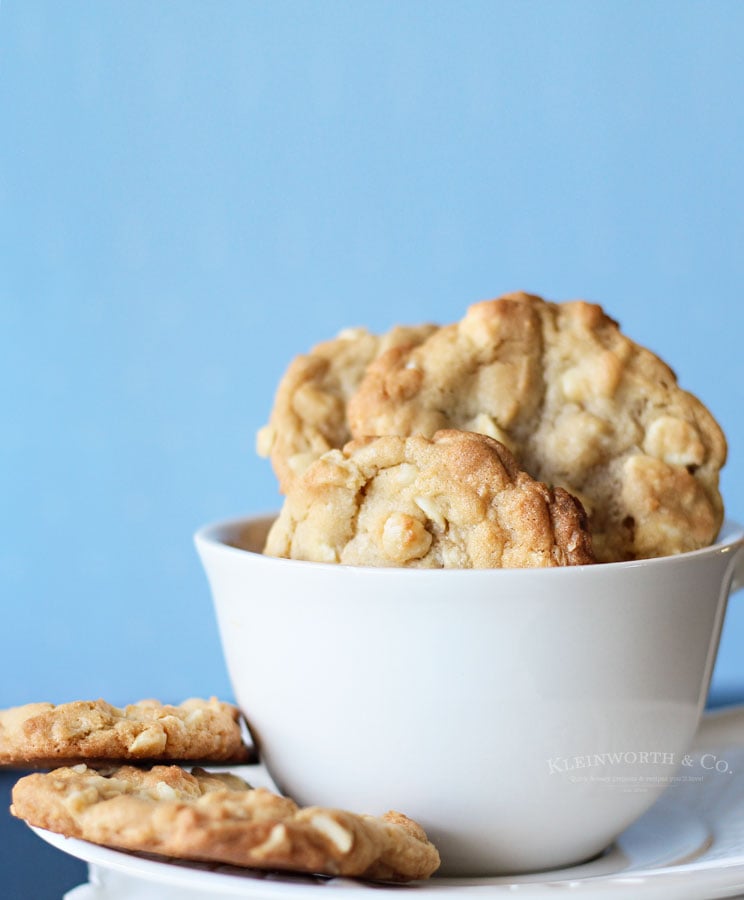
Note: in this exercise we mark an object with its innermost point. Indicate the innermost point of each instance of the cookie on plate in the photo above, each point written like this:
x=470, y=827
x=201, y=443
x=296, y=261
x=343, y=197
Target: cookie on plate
x=42, y=734
x=309, y=414
x=579, y=404
x=458, y=500
x=218, y=817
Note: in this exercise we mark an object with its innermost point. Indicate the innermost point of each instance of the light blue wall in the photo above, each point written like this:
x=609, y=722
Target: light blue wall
x=192, y=193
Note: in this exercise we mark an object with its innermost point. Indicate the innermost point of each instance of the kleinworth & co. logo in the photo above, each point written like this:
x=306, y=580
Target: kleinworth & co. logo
x=632, y=769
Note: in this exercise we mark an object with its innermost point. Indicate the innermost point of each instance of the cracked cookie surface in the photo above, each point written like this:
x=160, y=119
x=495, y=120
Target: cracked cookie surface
x=42, y=734
x=218, y=817
x=309, y=414
x=458, y=500
x=580, y=405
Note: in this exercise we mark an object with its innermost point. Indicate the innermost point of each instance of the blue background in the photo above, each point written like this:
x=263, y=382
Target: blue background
x=193, y=193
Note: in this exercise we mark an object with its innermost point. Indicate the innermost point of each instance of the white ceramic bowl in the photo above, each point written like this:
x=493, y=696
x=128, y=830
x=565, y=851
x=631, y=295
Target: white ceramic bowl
x=525, y=717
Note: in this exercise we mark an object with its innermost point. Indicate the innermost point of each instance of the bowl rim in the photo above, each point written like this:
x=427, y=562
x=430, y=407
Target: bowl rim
x=213, y=535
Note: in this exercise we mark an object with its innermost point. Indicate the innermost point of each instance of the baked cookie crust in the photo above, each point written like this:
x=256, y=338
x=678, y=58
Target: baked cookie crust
x=219, y=818
x=42, y=734
x=309, y=413
x=458, y=500
x=580, y=405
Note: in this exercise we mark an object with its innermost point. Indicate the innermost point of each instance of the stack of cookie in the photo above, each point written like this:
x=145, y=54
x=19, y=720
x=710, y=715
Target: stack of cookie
x=530, y=433
x=116, y=785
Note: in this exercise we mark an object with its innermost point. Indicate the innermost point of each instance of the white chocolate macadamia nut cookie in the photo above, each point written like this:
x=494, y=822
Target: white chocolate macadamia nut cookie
x=220, y=818
x=42, y=734
x=579, y=404
x=458, y=500
x=309, y=414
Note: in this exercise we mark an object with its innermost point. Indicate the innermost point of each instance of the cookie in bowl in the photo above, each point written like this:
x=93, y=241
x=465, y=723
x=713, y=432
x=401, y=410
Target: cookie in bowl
x=309, y=413
x=579, y=404
x=457, y=500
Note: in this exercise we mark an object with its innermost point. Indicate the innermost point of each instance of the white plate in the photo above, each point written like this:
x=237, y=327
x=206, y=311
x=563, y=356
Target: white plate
x=689, y=845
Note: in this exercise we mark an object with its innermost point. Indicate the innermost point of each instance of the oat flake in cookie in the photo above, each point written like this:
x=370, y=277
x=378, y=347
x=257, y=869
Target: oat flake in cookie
x=458, y=500
x=42, y=734
x=220, y=818
x=578, y=403
x=309, y=414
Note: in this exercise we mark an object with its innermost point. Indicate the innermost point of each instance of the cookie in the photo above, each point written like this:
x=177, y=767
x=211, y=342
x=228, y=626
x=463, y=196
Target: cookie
x=219, y=818
x=458, y=500
x=580, y=405
x=309, y=414
x=42, y=734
